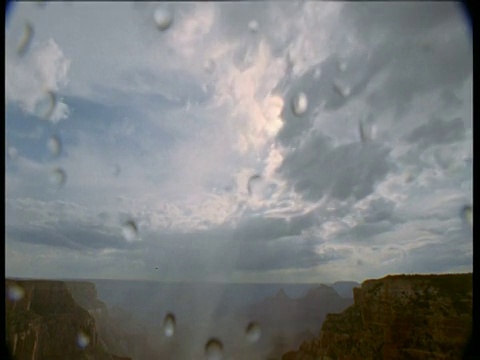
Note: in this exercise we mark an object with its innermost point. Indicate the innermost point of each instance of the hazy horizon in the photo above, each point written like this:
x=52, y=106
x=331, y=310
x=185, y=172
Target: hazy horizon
x=228, y=283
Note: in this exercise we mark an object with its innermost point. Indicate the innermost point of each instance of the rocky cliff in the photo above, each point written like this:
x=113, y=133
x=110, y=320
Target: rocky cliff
x=308, y=311
x=85, y=294
x=398, y=317
x=289, y=322
x=43, y=321
x=118, y=331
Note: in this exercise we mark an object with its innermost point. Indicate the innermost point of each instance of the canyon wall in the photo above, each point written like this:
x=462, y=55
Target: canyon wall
x=43, y=321
x=398, y=317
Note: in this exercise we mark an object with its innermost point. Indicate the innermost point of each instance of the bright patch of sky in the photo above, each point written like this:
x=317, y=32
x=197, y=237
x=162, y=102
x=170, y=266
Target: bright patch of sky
x=330, y=141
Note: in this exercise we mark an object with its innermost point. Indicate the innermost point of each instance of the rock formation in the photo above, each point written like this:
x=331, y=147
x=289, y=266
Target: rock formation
x=43, y=321
x=307, y=312
x=398, y=317
x=118, y=331
x=291, y=321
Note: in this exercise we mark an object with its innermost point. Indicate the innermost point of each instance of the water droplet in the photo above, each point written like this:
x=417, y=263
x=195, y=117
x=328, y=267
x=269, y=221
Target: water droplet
x=299, y=104
x=366, y=130
x=316, y=73
x=58, y=177
x=342, y=65
x=467, y=213
x=169, y=324
x=12, y=152
x=209, y=66
x=253, y=184
x=116, y=170
x=54, y=145
x=83, y=340
x=26, y=39
x=45, y=106
x=253, y=332
x=253, y=25
x=341, y=90
x=214, y=349
x=163, y=18
x=15, y=292
x=129, y=230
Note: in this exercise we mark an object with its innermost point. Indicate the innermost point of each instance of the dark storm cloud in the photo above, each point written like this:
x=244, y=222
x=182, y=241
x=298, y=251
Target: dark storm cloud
x=426, y=43
x=362, y=233
x=325, y=89
x=285, y=253
x=261, y=244
x=318, y=168
x=234, y=22
x=380, y=209
x=234, y=18
x=261, y=228
x=401, y=19
x=67, y=235
x=437, y=131
x=437, y=257
x=450, y=99
x=406, y=65
x=409, y=64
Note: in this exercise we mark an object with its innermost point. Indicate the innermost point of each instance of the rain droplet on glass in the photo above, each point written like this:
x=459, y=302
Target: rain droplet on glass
x=467, y=213
x=214, y=349
x=253, y=184
x=316, y=73
x=253, y=332
x=83, y=340
x=253, y=25
x=129, y=230
x=366, y=131
x=340, y=89
x=163, y=18
x=54, y=145
x=45, y=106
x=169, y=324
x=15, y=292
x=299, y=104
x=58, y=177
x=26, y=40
x=12, y=152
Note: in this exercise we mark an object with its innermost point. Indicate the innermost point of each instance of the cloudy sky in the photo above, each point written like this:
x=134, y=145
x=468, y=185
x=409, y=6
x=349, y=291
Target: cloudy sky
x=263, y=141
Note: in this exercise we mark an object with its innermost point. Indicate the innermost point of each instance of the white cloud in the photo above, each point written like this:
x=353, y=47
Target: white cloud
x=33, y=81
